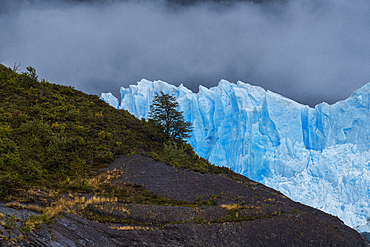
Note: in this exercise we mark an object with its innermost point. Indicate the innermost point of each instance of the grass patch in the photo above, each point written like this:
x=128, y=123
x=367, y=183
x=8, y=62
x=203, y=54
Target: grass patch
x=15, y=205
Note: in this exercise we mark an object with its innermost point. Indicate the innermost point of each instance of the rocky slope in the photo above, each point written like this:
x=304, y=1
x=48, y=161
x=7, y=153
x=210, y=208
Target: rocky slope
x=238, y=213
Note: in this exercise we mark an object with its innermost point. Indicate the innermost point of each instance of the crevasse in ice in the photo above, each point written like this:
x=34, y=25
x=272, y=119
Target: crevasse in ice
x=318, y=156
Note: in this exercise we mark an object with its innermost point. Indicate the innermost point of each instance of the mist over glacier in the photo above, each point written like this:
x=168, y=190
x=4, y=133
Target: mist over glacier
x=318, y=156
x=308, y=50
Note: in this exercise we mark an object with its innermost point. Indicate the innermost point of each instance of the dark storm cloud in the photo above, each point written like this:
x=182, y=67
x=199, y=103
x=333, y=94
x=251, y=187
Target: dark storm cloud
x=310, y=51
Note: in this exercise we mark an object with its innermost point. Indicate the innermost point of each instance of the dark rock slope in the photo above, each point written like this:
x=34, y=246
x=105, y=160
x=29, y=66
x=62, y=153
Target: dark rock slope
x=243, y=214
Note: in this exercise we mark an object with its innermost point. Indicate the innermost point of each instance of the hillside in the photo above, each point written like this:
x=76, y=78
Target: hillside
x=77, y=172
x=50, y=133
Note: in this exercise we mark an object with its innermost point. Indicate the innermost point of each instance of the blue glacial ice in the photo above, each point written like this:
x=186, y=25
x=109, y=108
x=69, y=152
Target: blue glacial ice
x=318, y=156
x=110, y=99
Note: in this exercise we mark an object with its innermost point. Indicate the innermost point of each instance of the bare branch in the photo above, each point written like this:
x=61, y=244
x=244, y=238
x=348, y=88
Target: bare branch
x=16, y=67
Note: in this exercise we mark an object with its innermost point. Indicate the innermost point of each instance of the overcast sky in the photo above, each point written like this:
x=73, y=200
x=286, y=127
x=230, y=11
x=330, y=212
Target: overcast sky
x=308, y=50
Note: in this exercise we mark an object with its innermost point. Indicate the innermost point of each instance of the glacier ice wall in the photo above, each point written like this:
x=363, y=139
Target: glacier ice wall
x=110, y=99
x=318, y=156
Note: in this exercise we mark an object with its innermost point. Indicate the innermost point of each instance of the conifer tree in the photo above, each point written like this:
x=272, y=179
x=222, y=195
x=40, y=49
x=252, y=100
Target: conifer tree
x=164, y=112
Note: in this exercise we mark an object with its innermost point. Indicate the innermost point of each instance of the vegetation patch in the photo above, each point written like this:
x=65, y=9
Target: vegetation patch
x=15, y=205
x=50, y=134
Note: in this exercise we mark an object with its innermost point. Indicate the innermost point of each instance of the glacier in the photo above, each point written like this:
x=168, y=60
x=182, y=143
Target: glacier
x=318, y=156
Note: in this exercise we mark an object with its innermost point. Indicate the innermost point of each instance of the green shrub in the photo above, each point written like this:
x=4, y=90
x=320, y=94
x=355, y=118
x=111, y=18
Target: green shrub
x=22, y=118
x=201, y=167
x=9, y=154
x=104, y=157
x=7, y=116
x=9, y=180
x=25, y=229
x=10, y=221
x=35, y=127
x=31, y=172
x=35, y=110
x=174, y=153
x=81, y=129
x=56, y=127
x=34, y=222
x=5, y=130
x=101, y=134
x=81, y=141
x=58, y=162
x=72, y=115
x=57, y=143
x=109, y=135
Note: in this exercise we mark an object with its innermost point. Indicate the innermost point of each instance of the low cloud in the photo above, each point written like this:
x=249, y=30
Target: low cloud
x=310, y=51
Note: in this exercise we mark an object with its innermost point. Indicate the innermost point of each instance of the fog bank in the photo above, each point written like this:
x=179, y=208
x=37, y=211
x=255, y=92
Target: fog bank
x=308, y=50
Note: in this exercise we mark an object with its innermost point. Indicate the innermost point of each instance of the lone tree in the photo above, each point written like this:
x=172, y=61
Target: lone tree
x=164, y=112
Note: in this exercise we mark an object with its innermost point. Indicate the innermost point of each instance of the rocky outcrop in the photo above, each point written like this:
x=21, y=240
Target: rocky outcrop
x=303, y=230
x=155, y=214
x=239, y=214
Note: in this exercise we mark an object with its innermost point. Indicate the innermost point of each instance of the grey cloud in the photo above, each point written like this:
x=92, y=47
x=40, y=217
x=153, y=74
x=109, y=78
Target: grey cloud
x=310, y=51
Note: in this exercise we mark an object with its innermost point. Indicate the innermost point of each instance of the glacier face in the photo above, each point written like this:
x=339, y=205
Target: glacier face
x=318, y=156
x=110, y=99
